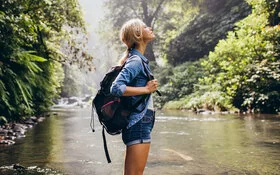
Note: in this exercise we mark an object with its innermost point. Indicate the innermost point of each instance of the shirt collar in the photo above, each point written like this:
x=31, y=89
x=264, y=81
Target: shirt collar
x=136, y=52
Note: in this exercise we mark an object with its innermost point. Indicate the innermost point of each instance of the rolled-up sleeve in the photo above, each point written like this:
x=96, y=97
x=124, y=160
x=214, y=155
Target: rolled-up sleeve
x=131, y=69
x=118, y=90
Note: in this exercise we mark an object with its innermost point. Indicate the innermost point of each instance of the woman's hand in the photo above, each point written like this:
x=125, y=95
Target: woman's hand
x=152, y=85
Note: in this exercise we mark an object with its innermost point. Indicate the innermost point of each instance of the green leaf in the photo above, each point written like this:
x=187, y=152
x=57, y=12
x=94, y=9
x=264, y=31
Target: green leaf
x=24, y=92
x=3, y=120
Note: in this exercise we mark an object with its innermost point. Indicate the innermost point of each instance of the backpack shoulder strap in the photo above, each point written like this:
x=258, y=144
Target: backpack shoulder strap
x=150, y=77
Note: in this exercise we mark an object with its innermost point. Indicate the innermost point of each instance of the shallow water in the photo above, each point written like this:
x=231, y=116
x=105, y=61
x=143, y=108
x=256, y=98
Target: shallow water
x=182, y=143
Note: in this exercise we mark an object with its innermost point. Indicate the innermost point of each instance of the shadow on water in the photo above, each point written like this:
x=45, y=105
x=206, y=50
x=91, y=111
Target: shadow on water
x=182, y=143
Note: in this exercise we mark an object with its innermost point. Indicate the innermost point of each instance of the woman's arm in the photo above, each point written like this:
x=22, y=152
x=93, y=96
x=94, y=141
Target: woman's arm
x=150, y=87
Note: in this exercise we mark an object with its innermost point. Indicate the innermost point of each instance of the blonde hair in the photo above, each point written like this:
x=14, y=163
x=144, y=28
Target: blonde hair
x=131, y=35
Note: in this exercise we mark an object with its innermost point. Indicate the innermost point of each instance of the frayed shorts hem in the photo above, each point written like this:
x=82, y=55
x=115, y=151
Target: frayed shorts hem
x=139, y=141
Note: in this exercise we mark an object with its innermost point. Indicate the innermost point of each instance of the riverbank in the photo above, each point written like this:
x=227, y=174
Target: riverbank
x=9, y=132
x=12, y=131
x=206, y=110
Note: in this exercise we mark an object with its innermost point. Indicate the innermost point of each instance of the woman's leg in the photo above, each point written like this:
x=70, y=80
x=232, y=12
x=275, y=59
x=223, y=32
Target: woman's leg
x=136, y=159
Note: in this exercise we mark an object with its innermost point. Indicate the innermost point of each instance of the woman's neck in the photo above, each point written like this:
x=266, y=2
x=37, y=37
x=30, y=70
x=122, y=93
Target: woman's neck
x=141, y=48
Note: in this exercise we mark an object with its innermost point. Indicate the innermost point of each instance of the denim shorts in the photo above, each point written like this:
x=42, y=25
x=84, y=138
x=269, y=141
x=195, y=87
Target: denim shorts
x=141, y=131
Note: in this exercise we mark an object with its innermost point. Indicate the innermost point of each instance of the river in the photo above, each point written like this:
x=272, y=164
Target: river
x=182, y=144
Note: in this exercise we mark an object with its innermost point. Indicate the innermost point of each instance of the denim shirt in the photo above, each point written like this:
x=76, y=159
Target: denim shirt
x=133, y=74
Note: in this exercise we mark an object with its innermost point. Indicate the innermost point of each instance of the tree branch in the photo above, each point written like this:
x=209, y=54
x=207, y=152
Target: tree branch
x=157, y=9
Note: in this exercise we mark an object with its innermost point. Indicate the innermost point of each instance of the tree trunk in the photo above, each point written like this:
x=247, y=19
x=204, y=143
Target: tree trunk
x=149, y=53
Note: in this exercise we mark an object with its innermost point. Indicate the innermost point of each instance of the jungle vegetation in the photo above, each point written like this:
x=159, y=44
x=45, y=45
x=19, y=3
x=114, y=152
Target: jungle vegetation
x=242, y=72
x=36, y=41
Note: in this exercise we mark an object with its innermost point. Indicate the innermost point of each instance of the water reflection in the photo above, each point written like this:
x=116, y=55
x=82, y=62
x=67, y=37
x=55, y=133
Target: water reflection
x=182, y=143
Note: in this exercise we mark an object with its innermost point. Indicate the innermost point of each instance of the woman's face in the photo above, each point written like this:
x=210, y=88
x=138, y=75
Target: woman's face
x=148, y=34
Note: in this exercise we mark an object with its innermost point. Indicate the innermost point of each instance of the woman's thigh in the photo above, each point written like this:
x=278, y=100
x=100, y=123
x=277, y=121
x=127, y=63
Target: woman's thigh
x=136, y=158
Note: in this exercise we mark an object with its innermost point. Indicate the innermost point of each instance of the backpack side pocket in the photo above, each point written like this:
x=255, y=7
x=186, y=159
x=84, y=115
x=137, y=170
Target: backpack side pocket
x=109, y=109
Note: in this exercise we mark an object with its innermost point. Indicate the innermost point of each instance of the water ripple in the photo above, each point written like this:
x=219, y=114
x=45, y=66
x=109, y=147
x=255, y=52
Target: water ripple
x=168, y=118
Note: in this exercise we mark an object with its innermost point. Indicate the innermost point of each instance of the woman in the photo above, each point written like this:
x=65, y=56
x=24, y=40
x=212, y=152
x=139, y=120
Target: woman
x=133, y=82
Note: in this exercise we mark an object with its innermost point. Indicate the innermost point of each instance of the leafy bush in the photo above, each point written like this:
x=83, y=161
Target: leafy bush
x=246, y=64
x=176, y=83
x=211, y=100
x=214, y=100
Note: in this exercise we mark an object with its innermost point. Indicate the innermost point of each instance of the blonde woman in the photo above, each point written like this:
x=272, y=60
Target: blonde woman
x=134, y=83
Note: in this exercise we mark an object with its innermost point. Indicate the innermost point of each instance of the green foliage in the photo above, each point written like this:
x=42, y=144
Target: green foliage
x=210, y=100
x=3, y=120
x=177, y=82
x=36, y=37
x=246, y=64
x=48, y=87
x=174, y=105
x=242, y=72
x=214, y=100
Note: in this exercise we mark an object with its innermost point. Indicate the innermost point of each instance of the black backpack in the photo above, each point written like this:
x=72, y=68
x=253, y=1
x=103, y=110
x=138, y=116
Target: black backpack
x=112, y=111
